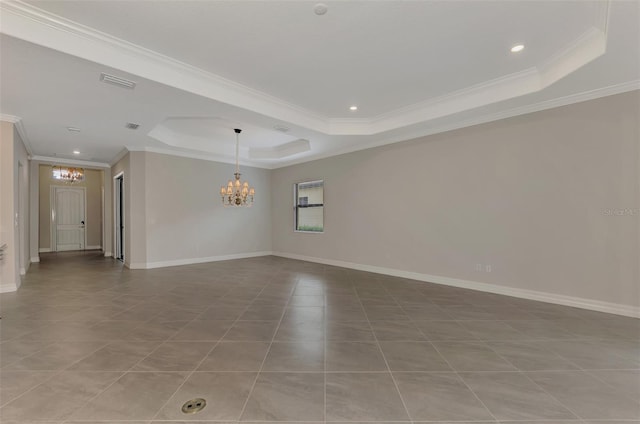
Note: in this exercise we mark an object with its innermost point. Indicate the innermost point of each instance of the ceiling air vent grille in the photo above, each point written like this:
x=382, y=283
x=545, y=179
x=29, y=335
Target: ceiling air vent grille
x=132, y=126
x=120, y=82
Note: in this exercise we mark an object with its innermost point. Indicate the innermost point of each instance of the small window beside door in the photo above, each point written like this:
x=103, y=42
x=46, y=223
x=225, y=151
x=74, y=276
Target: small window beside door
x=309, y=206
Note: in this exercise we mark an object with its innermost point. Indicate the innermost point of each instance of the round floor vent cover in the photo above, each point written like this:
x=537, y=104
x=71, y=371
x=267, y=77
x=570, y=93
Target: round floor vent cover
x=194, y=405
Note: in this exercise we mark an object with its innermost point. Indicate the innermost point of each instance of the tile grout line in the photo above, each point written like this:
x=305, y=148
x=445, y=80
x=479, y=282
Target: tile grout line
x=87, y=402
x=212, y=349
x=464, y=382
x=246, y=402
x=524, y=374
x=384, y=358
x=129, y=369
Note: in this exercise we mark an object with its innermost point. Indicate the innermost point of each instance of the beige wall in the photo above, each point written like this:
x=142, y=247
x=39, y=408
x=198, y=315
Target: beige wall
x=14, y=207
x=93, y=184
x=185, y=217
x=537, y=197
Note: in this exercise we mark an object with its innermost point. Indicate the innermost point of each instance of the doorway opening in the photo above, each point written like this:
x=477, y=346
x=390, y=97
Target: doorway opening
x=118, y=192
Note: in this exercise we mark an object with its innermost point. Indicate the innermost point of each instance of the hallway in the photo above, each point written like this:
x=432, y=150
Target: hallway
x=272, y=339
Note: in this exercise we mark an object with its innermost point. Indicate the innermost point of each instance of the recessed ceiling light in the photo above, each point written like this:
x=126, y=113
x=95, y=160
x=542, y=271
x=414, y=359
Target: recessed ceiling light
x=353, y=108
x=73, y=129
x=517, y=48
x=76, y=152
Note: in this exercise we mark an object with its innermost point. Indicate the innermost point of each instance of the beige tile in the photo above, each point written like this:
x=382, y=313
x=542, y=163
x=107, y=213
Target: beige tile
x=397, y=331
x=363, y=397
x=135, y=396
x=587, y=396
x=531, y=356
x=116, y=356
x=286, y=397
x=15, y=383
x=413, y=356
x=285, y=356
x=354, y=356
x=472, y=356
x=58, y=398
x=225, y=394
x=203, y=330
x=175, y=356
x=623, y=381
x=444, y=331
x=252, y=331
x=14, y=350
x=512, y=396
x=298, y=331
x=57, y=356
x=439, y=397
x=236, y=356
x=349, y=331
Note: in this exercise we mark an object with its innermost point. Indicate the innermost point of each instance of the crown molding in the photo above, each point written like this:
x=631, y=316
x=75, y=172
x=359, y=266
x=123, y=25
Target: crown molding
x=30, y=23
x=585, y=48
x=118, y=157
x=17, y=121
x=63, y=161
x=210, y=157
x=504, y=114
x=508, y=113
x=35, y=25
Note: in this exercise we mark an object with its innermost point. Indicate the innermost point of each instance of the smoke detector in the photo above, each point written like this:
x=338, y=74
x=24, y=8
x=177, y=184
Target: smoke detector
x=131, y=126
x=320, y=9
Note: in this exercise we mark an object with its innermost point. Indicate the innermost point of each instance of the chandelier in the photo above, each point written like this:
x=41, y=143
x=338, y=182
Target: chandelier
x=236, y=193
x=68, y=175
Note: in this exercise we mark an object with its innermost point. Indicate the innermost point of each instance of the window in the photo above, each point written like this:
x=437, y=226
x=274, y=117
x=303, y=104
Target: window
x=309, y=206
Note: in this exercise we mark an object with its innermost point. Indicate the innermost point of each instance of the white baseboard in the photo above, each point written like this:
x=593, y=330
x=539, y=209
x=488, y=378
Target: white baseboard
x=44, y=250
x=23, y=271
x=6, y=288
x=108, y=254
x=35, y=259
x=559, y=299
x=98, y=247
x=190, y=261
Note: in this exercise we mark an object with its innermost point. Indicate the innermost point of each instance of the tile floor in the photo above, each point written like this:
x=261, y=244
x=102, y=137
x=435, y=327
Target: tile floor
x=270, y=339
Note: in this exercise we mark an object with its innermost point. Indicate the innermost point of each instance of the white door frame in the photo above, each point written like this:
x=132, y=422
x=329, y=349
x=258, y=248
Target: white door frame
x=52, y=209
x=118, y=216
x=21, y=215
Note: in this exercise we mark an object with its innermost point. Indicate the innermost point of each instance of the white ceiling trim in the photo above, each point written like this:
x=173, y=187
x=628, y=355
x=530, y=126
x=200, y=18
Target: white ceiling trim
x=35, y=25
x=581, y=51
x=508, y=113
x=27, y=22
x=197, y=155
x=63, y=161
x=119, y=156
x=17, y=122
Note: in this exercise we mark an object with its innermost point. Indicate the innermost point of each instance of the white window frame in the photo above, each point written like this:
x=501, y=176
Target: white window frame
x=295, y=206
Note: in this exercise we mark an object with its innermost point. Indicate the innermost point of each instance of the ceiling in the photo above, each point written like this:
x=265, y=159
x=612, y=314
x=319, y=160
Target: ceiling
x=288, y=76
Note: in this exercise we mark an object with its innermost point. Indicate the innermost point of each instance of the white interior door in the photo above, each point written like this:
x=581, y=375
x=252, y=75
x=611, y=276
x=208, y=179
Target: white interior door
x=69, y=218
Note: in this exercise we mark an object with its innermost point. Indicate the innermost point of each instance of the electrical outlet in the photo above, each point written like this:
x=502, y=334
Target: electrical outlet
x=487, y=268
x=478, y=267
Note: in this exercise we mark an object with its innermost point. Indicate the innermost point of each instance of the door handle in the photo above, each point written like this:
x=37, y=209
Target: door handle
x=82, y=222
